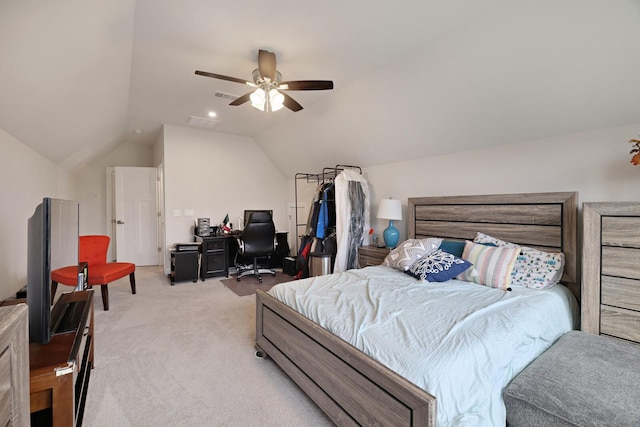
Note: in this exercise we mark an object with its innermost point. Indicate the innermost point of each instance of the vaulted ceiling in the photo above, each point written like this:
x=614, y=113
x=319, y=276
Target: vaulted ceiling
x=413, y=78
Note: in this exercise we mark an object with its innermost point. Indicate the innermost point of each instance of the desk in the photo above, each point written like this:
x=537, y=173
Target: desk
x=218, y=253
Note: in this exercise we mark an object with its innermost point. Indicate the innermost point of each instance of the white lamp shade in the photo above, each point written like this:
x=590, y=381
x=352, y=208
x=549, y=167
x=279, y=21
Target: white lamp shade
x=258, y=99
x=276, y=99
x=267, y=101
x=390, y=209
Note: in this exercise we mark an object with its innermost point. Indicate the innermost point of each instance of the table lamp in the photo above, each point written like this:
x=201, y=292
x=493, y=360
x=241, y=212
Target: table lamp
x=390, y=209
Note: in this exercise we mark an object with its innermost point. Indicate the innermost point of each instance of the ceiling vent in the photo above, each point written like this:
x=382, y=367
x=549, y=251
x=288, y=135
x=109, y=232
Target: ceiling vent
x=227, y=96
x=202, y=122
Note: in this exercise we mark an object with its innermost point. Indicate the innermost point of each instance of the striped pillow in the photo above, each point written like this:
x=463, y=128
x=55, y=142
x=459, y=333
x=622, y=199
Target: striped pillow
x=492, y=265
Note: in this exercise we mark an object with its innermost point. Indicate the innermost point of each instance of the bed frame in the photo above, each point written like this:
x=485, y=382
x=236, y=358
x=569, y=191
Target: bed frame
x=353, y=389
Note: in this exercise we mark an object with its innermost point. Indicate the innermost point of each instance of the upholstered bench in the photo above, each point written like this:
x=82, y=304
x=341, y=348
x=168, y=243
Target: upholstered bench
x=581, y=380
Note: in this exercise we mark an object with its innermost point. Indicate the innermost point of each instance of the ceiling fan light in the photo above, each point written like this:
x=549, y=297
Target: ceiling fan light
x=258, y=99
x=276, y=99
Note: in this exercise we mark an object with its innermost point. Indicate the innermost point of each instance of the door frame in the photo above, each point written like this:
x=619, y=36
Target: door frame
x=111, y=210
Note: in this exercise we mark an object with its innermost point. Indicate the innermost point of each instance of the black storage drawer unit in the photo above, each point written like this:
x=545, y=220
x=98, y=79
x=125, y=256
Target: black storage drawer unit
x=184, y=266
x=215, y=256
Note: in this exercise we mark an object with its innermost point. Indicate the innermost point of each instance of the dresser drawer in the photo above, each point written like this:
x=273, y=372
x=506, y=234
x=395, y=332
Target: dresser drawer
x=371, y=255
x=620, y=292
x=216, y=262
x=366, y=260
x=621, y=262
x=213, y=245
x=620, y=322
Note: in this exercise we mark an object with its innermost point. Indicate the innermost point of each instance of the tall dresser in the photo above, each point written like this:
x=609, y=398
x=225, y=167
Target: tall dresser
x=14, y=366
x=611, y=269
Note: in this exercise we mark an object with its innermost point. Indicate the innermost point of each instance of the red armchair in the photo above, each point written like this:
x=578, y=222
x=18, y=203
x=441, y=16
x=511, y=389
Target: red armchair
x=93, y=251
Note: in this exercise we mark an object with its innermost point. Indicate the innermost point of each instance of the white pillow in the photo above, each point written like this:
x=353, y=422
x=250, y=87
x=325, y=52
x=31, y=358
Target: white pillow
x=403, y=256
x=533, y=268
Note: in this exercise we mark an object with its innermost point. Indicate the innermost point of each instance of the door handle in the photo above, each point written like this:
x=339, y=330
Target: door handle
x=119, y=222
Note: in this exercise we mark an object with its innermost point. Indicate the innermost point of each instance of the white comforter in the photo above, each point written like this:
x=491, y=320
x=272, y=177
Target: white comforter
x=461, y=342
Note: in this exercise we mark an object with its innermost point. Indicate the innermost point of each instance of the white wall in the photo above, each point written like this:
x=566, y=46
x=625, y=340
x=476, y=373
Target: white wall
x=216, y=174
x=594, y=163
x=92, y=184
x=26, y=178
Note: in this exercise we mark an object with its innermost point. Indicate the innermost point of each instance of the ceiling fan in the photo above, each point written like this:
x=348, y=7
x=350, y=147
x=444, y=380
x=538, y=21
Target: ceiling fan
x=267, y=80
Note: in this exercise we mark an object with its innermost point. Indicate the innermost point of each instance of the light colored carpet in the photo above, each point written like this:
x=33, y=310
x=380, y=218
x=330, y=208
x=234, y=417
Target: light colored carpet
x=184, y=355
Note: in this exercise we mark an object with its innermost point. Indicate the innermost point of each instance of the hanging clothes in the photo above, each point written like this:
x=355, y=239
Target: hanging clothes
x=314, y=212
x=352, y=201
x=327, y=213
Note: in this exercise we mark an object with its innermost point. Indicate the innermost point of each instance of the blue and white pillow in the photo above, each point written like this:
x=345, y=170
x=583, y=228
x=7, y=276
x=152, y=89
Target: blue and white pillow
x=533, y=268
x=439, y=266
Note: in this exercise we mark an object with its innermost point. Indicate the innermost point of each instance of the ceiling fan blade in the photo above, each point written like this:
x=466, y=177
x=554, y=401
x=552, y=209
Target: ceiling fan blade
x=242, y=99
x=308, y=85
x=267, y=64
x=291, y=103
x=221, y=77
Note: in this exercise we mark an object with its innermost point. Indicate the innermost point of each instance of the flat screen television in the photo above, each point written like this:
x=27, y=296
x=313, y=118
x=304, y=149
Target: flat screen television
x=52, y=234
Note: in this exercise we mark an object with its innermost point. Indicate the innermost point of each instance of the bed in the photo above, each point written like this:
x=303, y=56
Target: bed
x=354, y=388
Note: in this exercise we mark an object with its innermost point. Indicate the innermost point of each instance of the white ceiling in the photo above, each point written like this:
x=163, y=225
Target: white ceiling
x=412, y=77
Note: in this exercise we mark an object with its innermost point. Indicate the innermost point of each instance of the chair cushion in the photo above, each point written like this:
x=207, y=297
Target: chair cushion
x=581, y=380
x=102, y=274
x=65, y=275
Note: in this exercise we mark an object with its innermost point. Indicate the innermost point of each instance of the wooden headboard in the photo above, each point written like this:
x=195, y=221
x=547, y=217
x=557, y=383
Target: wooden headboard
x=547, y=221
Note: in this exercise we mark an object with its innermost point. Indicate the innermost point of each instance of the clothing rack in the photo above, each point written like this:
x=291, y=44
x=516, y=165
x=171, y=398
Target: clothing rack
x=328, y=174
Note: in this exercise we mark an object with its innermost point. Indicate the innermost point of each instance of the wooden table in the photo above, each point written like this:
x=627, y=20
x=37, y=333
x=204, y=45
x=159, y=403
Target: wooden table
x=56, y=367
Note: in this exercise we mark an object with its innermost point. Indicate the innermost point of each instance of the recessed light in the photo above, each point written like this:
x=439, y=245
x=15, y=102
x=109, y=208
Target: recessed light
x=137, y=131
x=212, y=113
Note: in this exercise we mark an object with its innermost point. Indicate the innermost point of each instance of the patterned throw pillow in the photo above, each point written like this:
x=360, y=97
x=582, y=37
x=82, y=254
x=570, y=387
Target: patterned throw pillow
x=533, y=268
x=438, y=266
x=409, y=251
x=492, y=265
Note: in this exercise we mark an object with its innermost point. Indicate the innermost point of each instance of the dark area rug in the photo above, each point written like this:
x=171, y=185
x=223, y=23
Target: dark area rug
x=249, y=284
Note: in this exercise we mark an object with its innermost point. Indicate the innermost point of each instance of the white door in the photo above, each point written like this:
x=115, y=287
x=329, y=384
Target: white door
x=136, y=215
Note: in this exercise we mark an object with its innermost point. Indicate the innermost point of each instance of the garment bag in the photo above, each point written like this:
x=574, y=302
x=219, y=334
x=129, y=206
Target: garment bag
x=352, y=218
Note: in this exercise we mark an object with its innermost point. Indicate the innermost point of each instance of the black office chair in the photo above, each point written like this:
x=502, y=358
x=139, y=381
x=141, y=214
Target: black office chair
x=258, y=240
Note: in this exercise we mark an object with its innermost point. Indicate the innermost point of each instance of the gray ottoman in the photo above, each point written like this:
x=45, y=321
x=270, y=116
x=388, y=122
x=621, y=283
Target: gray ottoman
x=581, y=380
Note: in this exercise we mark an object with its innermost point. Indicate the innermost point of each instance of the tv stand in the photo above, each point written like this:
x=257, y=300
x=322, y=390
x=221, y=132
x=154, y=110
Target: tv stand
x=60, y=370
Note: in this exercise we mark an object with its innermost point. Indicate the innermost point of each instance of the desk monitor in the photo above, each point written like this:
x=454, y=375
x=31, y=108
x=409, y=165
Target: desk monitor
x=247, y=214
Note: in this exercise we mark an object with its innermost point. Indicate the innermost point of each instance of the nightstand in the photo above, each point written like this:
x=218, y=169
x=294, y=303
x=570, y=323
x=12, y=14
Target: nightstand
x=371, y=255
